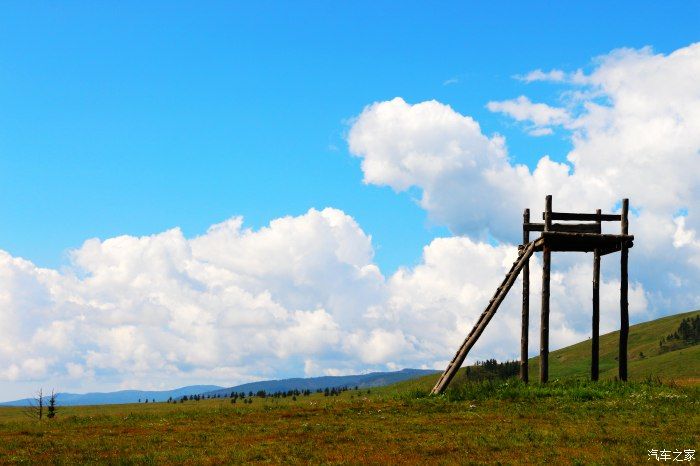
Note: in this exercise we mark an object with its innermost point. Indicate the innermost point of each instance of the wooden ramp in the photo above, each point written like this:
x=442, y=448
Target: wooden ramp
x=454, y=365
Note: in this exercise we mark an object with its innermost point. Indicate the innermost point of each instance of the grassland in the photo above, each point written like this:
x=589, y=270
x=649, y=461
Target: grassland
x=645, y=357
x=504, y=422
x=568, y=421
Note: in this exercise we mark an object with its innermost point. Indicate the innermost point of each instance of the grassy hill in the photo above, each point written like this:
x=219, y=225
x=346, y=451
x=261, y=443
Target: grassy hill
x=645, y=358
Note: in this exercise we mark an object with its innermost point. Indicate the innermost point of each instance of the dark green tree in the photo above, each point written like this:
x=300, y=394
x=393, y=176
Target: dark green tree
x=51, y=410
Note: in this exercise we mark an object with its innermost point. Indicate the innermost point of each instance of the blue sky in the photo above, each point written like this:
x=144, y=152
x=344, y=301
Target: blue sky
x=130, y=118
x=134, y=134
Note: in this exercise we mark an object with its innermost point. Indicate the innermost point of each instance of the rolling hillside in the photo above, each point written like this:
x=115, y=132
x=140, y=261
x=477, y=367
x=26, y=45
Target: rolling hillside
x=645, y=359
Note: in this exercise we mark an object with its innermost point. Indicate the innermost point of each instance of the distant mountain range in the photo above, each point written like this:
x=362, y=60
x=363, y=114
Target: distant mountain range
x=120, y=397
x=373, y=379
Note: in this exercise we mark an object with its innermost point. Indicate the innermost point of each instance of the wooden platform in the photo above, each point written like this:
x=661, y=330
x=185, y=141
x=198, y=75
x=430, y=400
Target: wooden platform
x=583, y=242
x=578, y=237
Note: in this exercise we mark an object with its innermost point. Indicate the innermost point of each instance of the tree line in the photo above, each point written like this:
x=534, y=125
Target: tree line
x=492, y=369
x=235, y=396
x=687, y=334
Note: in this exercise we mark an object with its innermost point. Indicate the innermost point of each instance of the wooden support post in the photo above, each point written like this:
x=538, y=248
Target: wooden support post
x=595, y=346
x=526, y=304
x=544, y=317
x=624, y=311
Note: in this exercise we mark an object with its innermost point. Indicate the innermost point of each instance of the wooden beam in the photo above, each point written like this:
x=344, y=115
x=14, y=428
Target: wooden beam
x=526, y=305
x=624, y=311
x=583, y=242
x=544, y=315
x=565, y=227
x=595, y=333
x=616, y=248
x=592, y=236
x=584, y=217
x=533, y=226
x=576, y=227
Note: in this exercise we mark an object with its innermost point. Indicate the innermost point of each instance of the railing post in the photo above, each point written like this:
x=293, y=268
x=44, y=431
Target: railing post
x=526, y=304
x=595, y=346
x=624, y=311
x=544, y=316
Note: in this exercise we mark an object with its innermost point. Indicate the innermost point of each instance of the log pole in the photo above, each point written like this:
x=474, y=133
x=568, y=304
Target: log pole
x=595, y=346
x=526, y=304
x=624, y=311
x=544, y=316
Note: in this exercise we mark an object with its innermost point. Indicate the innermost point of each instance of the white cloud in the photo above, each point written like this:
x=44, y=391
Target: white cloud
x=540, y=132
x=554, y=76
x=539, y=75
x=637, y=136
x=234, y=305
x=431, y=146
x=232, y=301
x=522, y=109
x=442, y=298
x=380, y=345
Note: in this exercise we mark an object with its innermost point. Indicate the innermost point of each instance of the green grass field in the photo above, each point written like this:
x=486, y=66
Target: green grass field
x=682, y=365
x=568, y=421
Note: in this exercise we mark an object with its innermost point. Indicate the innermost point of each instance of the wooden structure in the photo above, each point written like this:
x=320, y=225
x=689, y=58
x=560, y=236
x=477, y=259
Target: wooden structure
x=586, y=237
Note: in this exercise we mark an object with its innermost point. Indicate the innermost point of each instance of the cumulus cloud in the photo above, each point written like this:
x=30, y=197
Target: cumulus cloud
x=301, y=295
x=542, y=116
x=444, y=295
x=229, y=302
x=431, y=146
x=637, y=135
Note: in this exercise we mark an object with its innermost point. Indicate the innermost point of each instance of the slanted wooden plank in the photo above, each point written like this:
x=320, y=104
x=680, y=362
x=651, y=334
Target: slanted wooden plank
x=483, y=321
